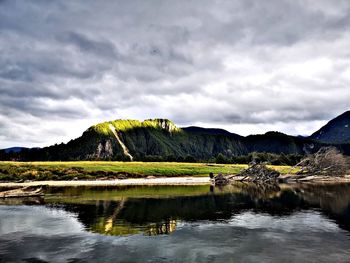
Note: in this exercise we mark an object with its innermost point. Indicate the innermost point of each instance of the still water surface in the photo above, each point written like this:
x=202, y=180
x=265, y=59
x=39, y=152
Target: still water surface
x=240, y=223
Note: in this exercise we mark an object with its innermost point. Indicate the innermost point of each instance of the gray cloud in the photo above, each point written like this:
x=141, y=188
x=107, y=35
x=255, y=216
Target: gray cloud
x=247, y=66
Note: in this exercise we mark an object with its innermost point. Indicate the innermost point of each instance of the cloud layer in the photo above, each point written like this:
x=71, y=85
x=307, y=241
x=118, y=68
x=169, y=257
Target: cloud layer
x=247, y=66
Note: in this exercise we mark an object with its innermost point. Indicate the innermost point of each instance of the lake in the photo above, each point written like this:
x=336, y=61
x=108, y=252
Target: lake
x=238, y=223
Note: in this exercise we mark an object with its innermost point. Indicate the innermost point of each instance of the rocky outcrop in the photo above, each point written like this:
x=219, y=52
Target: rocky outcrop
x=167, y=125
x=103, y=151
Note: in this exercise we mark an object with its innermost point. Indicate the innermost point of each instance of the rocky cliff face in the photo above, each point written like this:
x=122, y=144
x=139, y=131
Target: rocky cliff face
x=103, y=151
x=165, y=124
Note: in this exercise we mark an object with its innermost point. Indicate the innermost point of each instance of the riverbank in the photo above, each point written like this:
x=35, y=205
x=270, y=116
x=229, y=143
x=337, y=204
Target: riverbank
x=110, y=170
x=293, y=178
x=315, y=179
x=108, y=173
x=167, y=181
x=117, y=182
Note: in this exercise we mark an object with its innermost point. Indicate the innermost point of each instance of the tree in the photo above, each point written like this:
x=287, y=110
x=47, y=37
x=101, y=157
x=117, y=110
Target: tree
x=220, y=158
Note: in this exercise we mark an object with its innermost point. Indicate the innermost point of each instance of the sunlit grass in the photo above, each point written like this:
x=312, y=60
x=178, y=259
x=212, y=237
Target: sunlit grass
x=95, y=169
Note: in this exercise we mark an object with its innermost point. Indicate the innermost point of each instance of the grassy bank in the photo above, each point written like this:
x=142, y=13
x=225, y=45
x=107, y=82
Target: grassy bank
x=12, y=171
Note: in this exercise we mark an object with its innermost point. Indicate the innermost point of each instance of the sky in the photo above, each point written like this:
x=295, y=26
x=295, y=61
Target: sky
x=242, y=65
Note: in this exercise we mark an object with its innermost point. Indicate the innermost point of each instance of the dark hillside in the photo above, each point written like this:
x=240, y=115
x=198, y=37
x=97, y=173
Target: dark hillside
x=335, y=131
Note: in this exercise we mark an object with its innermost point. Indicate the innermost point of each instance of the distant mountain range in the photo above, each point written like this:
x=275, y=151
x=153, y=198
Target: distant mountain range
x=14, y=149
x=160, y=139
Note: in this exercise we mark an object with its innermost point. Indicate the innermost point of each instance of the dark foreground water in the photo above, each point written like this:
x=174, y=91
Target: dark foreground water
x=241, y=223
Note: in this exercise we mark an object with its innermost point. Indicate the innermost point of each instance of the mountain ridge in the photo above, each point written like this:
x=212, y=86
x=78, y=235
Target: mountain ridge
x=161, y=139
x=336, y=130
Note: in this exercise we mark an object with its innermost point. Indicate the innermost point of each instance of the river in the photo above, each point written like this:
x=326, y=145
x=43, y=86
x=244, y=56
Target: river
x=238, y=223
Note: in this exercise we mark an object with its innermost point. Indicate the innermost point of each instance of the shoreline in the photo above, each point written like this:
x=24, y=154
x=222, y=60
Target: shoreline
x=116, y=182
x=311, y=179
x=316, y=179
x=188, y=180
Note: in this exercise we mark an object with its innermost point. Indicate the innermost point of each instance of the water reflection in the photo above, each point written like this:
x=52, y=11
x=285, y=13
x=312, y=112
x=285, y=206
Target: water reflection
x=245, y=222
x=157, y=210
x=151, y=215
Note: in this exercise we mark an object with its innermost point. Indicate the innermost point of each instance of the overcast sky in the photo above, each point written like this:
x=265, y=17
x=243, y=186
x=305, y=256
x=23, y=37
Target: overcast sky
x=246, y=66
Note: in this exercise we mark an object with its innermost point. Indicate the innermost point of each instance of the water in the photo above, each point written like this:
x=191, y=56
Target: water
x=240, y=223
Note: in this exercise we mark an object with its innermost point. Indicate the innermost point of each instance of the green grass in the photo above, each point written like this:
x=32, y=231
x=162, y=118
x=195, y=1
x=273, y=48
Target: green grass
x=95, y=169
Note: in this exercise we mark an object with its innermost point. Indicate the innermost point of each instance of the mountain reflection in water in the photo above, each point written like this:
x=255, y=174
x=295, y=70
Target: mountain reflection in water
x=242, y=222
x=159, y=215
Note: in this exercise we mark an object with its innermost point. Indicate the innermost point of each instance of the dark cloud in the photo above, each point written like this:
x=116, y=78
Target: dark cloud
x=98, y=48
x=247, y=66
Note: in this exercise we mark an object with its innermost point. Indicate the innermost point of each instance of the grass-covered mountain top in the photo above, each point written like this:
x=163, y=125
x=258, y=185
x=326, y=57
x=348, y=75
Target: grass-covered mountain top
x=126, y=125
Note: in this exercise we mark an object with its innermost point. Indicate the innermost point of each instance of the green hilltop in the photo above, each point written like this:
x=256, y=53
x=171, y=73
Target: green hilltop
x=126, y=125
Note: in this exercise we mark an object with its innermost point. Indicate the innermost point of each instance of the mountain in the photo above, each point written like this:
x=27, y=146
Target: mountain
x=160, y=139
x=147, y=140
x=14, y=149
x=335, y=131
x=277, y=142
x=209, y=131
